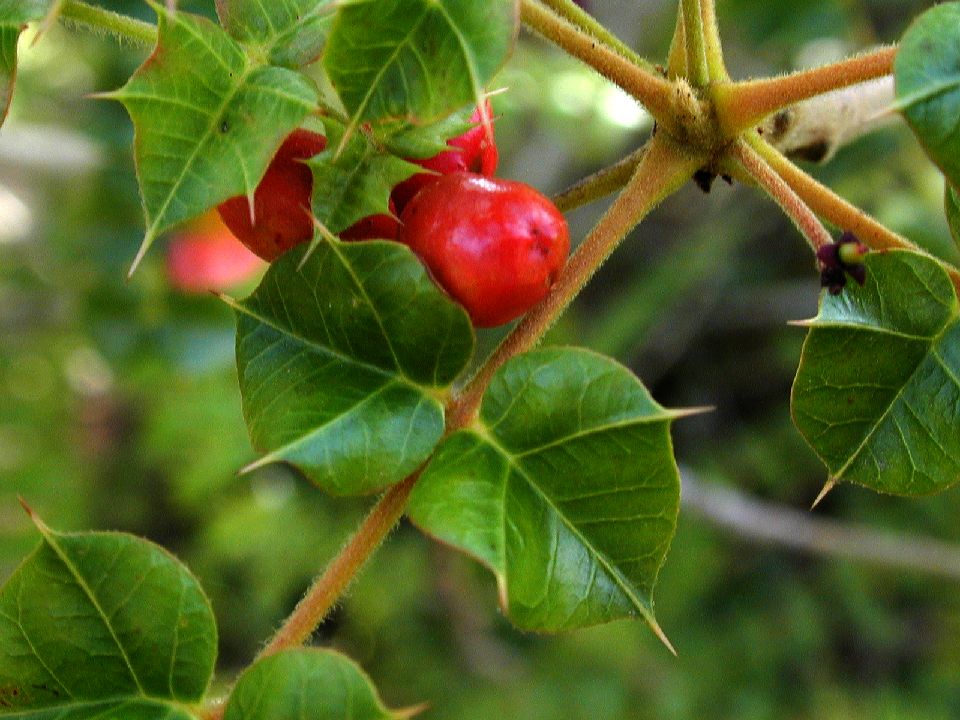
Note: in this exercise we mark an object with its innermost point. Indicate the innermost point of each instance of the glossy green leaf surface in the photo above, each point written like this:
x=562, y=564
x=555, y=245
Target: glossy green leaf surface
x=877, y=394
x=207, y=120
x=103, y=625
x=14, y=15
x=342, y=363
x=566, y=488
x=951, y=206
x=425, y=141
x=416, y=60
x=288, y=32
x=305, y=683
x=927, y=70
x=354, y=182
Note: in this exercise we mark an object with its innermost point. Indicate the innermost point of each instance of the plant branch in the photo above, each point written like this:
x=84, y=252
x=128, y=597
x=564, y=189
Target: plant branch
x=328, y=587
x=846, y=216
x=663, y=169
x=697, y=71
x=120, y=26
x=711, y=41
x=779, y=525
x=677, y=56
x=796, y=209
x=599, y=184
x=650, y=89
x=741, y=106
x=573, y=13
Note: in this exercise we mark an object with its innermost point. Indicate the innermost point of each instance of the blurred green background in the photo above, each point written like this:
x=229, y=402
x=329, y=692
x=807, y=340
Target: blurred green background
x=119, y=408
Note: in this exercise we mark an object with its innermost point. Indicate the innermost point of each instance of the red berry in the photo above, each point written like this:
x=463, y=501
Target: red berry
x=205, y=256
x=474, y=152
x=496, y=246
x=374, y=227
x=280, y=202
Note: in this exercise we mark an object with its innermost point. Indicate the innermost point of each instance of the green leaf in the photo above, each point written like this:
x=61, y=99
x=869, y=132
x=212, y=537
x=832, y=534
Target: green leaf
x=927, y=70
x=290, y=33
x=354, y=182
x=877, y=394
x=208, y=120
x=425, y=141
x=306, y=683
x=343, y=363
x=951, y=205
x=566, y=488
x=103, y=625
x=416, y=60
x=14, y=16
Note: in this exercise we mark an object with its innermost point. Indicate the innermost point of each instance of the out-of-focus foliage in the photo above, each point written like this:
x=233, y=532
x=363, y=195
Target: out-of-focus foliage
x=119, y=408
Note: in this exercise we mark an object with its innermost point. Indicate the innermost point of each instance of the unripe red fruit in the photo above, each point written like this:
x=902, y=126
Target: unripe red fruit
x=474, y=152
x=281, y=201
x=496, y=246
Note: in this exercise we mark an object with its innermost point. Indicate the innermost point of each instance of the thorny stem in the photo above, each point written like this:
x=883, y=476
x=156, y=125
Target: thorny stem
x=663, y=169
x=795, y=208
x=650, y=89
x=121, y=26
x=741, y=106
x=826, y=203
x=570, y=11
x=697, y=71
x=599, y=184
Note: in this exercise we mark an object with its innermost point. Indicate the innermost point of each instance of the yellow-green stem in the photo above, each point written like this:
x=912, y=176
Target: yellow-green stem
x=572, y=12
x=677, y=56
x=98, y=19
x=599, y=184
x=649, y=88
x=711, y=41
x=697, y=71
x=741, y=106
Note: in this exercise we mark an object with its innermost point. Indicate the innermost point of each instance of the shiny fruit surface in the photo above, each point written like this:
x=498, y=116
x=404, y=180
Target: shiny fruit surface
x=496, y=246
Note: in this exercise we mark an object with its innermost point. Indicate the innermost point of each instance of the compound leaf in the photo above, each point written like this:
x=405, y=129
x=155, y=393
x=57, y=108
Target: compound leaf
x=566, y=487
x=290, y=33
x=97, y=625
x=927, y=70
x=877, y=394
x=416, y=60
x=306, y=683
x=207, y=119
x=343, y=359
x=14, y=16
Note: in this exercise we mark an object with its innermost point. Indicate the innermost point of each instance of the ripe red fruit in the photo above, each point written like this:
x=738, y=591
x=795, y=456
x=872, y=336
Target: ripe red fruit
x=374, y=227
x=205, y=256
x=280, y=202
x=472, y=152
x=496, y=246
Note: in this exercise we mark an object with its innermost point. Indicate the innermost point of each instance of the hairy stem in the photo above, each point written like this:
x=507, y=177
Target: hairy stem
x=120, y=26
x=599, y=184
x=663, y=169
x=711, y=41
x=650, y=89
x=677, y=56
x=796, y=209
x=827, y=204
x=329, y=586
x=697, y=71
x=741, y=106
x=570, y=11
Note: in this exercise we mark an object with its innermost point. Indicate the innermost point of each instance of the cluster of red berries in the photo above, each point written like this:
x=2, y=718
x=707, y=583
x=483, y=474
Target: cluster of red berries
x=496, y=246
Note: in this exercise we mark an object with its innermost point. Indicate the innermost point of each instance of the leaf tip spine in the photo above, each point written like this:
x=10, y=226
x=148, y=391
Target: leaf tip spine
x=827, y=487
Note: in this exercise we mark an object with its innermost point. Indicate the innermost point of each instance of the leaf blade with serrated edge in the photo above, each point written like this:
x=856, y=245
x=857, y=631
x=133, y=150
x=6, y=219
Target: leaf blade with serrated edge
x=113, y=597
x=927, y=72
x=290, y=33
x=343, y=358
x=877, y=393
x=388, y=58
x=320, y=684
x=207, y=120
x=566, y=488
x=14, y=17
